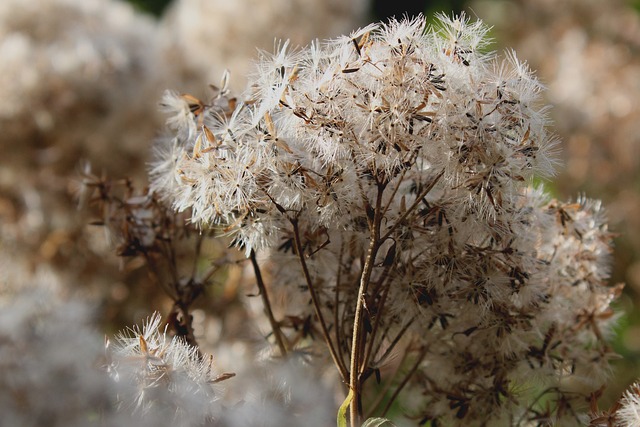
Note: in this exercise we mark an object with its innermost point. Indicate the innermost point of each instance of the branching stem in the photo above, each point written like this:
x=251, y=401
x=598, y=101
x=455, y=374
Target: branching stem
x=415, y=204
x=404, y=382
x=275, y=327
x=315, y=300
x=359, y=335
x=379, y=313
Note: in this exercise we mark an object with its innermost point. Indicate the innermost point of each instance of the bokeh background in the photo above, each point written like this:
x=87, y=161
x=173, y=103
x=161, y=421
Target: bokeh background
x=80, y=83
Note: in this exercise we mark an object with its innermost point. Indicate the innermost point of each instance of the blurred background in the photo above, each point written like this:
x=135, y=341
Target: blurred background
x=81, y=81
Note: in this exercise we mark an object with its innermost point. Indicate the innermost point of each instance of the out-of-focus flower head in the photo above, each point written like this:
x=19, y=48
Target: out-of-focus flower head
x=79, y=80
x=76, y=74
x=161, y=376
x=210, y=36
x=277, y=393
x=48, y=353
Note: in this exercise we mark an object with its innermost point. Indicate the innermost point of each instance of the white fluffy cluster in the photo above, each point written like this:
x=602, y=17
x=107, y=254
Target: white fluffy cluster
x=388, y=102
x=163, y=378
x=418, y=145
x=628, y=415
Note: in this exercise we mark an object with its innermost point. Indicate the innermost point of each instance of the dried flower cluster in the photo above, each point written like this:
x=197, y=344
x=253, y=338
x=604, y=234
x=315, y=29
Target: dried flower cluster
x=140, y=227
x=380, y=184
x=628, y=413
x=387, y=177
x=624, y=413
x=596, y=114
x=165, y=377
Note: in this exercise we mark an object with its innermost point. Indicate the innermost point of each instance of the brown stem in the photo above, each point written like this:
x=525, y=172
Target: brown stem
x=336, y=305
x=315, y=300
x=155, y=274
x=399, y=181
x=381, y=395
x=182, y=322
x=406, y=379
x=379, y=313
x=415, y=204
x=358, y=333
x=395, y=341
x=277, y=333
x=196, y=256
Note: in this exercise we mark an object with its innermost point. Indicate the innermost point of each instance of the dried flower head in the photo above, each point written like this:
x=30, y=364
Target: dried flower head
x=629, y=413
x=388, y=175
x=162, y=376
x=624, y=413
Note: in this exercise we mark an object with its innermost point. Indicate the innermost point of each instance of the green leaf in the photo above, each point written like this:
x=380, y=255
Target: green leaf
x=342, y=412
x=378, y=422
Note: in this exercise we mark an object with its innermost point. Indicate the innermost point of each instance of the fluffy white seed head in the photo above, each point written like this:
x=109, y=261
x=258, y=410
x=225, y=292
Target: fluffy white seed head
x=499, y=289
x=160, y=376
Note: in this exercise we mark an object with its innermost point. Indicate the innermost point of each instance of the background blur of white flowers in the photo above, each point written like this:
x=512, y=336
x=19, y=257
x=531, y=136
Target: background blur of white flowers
x=81, y=80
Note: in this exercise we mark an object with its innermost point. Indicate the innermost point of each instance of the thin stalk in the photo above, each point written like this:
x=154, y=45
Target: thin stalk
x=196, y=256
x=386, y=387
x=182, y=309
x=277, y=333
x=381, y=340
x=399, y=182
x=395, y=341
x=413, y=206
x=358, y=332
x=315, y=300
x=376, y=325
x=336, y=304
x=173, y=263
x=406, y=379
x=394, y=192
x=154, y=271
x=535, y=402
x=383, y=279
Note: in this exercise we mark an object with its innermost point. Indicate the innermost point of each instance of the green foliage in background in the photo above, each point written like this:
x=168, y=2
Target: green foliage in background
x=154, y=7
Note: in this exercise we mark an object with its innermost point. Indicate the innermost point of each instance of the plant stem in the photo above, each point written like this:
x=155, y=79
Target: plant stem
x=415, y=204
x=383, y=393
x=379, y=313
x=337, y=326
x=395, y=341
x=359, y=335
x=404, y=382
x=315, y=300
x=277, y=333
